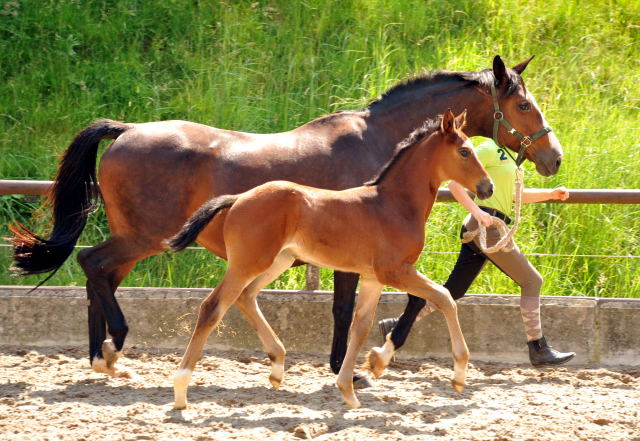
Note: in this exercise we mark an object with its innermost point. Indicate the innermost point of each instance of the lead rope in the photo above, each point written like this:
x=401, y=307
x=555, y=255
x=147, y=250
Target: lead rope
x=506, y=241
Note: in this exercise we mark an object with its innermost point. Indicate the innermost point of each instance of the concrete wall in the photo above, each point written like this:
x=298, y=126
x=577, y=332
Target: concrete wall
x=601, y=331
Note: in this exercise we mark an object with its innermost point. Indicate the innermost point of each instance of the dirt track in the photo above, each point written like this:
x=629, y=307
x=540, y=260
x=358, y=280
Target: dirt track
x=51, y=394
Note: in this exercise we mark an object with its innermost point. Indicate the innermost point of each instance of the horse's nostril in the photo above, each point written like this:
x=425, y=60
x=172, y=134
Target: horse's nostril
x=558, y=162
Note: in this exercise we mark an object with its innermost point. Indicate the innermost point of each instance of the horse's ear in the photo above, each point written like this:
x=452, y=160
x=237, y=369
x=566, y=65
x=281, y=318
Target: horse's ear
x=447, y=122
x=461, y=120
x=499, y=70
x=522, y=66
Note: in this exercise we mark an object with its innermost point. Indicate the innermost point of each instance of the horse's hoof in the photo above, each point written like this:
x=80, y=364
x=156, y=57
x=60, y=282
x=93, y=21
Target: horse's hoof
x=361, y=381
x=109, y=353
x=457, y=386
x=374, y=362
x=100, y=366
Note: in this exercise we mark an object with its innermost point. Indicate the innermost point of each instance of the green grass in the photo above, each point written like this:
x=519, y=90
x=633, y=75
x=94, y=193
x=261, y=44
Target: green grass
x=269, y=66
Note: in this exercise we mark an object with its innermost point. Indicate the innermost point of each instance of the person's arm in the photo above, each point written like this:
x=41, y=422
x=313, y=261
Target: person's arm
x=542, y=194
x=460, y=194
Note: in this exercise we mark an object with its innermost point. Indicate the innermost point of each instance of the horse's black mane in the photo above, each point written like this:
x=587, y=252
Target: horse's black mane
x=482, y=78
x=429, y=126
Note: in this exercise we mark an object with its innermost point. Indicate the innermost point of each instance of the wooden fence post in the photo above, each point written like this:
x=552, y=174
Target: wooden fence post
x=313, y=278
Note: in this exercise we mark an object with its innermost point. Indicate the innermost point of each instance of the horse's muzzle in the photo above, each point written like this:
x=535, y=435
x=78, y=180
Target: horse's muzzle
x=484, y=189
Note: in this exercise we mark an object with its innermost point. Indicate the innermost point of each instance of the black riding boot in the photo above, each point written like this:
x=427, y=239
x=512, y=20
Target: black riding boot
x=386, y=326
x=542, y=355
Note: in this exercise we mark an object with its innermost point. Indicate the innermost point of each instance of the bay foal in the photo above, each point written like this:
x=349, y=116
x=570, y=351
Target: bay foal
x=376, y=230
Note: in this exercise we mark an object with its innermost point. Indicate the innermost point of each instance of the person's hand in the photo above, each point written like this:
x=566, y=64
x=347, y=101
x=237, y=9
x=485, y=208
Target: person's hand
x=560, y=193
x=483, y=218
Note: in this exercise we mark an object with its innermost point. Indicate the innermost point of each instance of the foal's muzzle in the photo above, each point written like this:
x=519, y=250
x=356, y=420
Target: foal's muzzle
x=484, y=189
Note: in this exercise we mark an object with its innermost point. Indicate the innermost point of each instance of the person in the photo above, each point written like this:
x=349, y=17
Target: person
x=501, y=166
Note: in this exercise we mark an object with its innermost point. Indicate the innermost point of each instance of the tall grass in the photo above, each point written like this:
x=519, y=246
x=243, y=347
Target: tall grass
x=266, y=66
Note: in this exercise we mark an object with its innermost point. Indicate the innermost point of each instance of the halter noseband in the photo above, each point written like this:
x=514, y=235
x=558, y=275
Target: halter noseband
x=525, y=141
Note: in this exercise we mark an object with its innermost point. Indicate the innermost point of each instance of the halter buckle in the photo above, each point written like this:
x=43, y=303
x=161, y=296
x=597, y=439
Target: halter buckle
x=526, y=142
x=498, y=115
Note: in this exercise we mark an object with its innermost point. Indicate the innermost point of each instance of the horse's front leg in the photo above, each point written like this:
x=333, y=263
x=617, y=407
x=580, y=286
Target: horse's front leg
x=344, y=286
x=378, y=358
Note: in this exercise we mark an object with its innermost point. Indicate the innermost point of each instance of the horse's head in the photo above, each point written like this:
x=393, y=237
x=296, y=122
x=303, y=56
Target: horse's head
x=458, y=159
x=519, y=122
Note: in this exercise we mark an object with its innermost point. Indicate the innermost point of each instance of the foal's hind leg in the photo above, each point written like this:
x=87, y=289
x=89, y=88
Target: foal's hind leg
x=212, y=309
x=248, y=304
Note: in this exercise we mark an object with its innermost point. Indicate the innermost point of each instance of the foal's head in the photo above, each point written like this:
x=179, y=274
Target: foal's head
x=457, y=160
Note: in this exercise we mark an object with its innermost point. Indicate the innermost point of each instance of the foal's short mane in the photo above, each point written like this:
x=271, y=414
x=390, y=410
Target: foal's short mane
x=483, y=78
x=422, y=132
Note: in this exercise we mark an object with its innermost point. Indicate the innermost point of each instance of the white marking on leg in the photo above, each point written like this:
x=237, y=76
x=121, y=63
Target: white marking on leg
x=388, y=349
x=99, y=365
x=277, y=373
x=180, y=385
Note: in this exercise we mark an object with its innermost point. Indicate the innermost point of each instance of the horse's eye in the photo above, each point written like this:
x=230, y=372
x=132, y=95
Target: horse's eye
x=465, y=153
x=525, y=106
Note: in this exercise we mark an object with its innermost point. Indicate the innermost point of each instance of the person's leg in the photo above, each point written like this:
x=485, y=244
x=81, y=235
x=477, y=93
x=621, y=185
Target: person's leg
x=515, y=264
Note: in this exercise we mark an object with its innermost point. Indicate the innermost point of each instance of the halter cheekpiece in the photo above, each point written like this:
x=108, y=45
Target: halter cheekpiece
x=525, y=141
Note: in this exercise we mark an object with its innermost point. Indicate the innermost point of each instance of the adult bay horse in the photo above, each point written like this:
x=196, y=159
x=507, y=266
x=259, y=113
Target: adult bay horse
x=376, y=231
x=155, y=175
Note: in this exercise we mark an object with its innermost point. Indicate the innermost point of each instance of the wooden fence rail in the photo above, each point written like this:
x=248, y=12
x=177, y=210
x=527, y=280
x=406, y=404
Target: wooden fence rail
x=577, y=195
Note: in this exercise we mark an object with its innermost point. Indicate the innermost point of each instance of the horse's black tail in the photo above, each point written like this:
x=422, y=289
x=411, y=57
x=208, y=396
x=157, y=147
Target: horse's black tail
x=198, y=221
x=74, y=195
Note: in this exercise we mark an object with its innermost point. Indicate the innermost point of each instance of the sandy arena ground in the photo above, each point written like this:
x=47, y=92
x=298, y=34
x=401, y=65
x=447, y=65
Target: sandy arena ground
x=51, y=394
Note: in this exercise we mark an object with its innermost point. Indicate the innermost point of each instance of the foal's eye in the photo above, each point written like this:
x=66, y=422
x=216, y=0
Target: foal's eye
x=525, y=106
x=465, y=153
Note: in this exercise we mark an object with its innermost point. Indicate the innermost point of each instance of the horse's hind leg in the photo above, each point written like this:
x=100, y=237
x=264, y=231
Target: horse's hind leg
x=248, y=304
x=365, y=309
x=212, y=309
x=105, y=265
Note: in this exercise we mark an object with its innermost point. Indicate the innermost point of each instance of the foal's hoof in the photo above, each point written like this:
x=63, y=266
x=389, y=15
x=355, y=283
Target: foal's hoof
x=457, y=386
x=275, y=382
x=348, y=396
x=361, y=381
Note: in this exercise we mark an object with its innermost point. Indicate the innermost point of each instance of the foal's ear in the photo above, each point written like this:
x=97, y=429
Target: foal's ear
x=522, y=66
x=447, y=124
x=499, y=70
x=461, y=120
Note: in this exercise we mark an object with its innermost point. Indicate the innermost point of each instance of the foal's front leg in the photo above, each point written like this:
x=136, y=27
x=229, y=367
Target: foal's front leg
x=413, y=281
x=365, y=309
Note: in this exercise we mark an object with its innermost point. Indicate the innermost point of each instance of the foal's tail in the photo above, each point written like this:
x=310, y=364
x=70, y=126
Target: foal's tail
x=74, y=195
x=199, y=220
